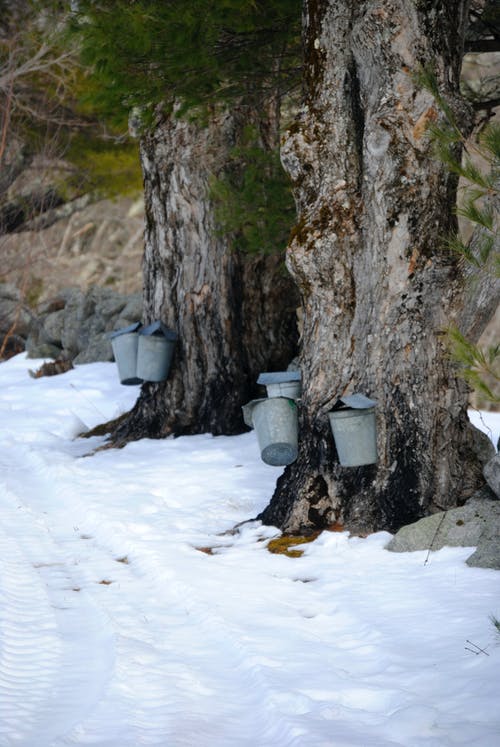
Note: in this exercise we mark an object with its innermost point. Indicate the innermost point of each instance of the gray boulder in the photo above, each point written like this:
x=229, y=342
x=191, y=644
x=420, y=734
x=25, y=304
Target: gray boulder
x=76, y=324
x=480, y=444
x=46, y=350
x=131, y=312
x=476, y=524
x=98, y=348
x=491, y=472
x=487, y=553
x=53, y=327
x=15, y=318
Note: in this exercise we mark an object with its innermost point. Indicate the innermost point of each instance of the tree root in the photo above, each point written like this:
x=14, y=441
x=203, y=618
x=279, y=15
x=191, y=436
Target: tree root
x=104, y=428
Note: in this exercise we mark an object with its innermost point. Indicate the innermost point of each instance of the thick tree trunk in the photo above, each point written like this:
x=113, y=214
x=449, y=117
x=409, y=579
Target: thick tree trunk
x=378, y=291
x=234, y=315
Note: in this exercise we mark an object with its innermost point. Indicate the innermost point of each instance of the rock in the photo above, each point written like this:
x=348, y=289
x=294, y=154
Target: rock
x=98, y=349
x=9, y=292
x=487, y=554
x=15, y=316
x=484, y=494
x=75, y=324
x=109, y=303
x=45, y=350
x=491, y=472
x=132, y=312
x=481, y=444
x=53, y=327
x=476, y=524
x=74, y=316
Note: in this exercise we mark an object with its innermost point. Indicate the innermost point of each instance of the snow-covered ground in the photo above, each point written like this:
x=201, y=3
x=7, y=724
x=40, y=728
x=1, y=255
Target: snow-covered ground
x=118, y=630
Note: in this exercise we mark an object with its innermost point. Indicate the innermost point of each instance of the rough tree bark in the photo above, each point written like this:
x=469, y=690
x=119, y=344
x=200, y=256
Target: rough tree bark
x=378, y=291
x=235, y=315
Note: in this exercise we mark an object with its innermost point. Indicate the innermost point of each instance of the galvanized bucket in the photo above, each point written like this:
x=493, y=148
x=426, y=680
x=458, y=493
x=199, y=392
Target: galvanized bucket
x=154, y=353
x=354, y=429
x=276, y=425
x=124, y=343
x=282, y=384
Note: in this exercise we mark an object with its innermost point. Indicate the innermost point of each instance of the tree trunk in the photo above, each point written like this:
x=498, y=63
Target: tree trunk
x=234, y=315
x=378, y=290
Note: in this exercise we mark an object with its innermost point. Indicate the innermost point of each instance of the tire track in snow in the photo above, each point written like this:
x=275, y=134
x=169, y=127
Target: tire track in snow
x=55, y=644
x=179, y=676
x=29, y=646
x=182, y=676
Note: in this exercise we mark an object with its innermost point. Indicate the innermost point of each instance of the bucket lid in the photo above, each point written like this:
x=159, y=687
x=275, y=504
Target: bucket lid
x=355, y=401
x=158, y=328
x=124, y=330
x=278, y=377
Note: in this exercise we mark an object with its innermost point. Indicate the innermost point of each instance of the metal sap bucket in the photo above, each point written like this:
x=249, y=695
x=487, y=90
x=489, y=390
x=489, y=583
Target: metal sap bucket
x=276, y=425
x=155, y=350
x=354, y=429
x=124, y=343
x=282, y=384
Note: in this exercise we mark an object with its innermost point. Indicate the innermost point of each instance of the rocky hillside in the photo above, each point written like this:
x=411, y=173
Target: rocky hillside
x=99, y=244
x=65, y=285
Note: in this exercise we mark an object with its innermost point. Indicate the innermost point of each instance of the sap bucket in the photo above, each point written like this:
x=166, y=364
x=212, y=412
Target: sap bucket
x=276, y=425
x=354, y=429
x=155, y=350
x=124, y=343
x=282, y=384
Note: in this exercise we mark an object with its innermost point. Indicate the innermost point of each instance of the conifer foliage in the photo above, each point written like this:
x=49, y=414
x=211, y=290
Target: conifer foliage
x=475, y=161
x=199, y=52
x=42, y=84
x=198, y=56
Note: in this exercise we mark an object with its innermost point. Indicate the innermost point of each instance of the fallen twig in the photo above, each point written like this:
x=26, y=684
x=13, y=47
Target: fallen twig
x=434, y=538
x=476, y=650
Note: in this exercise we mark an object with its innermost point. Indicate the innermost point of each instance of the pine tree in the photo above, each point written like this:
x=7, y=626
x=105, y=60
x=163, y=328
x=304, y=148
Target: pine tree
x=205, y=83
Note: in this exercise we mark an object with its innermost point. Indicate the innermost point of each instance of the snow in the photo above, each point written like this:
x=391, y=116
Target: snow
x=118, y=628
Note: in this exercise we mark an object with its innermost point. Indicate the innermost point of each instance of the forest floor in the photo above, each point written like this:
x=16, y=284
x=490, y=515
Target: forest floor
x=131, y=614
